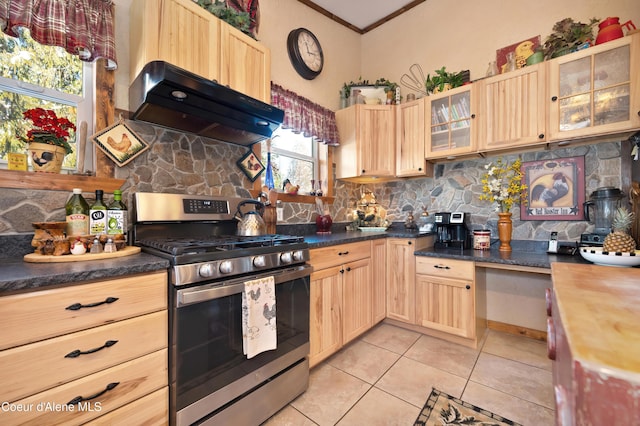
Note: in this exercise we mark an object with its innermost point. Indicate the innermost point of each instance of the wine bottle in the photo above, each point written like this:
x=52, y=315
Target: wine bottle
x=117, y=215
x=98, y=215
x=77, y=214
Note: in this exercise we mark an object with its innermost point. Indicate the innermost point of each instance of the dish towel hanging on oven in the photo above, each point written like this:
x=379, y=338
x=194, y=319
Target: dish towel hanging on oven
x=259, y=316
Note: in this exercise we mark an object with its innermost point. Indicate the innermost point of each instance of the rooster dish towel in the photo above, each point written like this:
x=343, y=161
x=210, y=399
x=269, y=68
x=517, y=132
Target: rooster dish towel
x=259, y=316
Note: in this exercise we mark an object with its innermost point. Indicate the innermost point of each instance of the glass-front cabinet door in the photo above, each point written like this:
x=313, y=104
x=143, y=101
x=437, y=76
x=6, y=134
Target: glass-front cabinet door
x=595, y=91
x=451, y=123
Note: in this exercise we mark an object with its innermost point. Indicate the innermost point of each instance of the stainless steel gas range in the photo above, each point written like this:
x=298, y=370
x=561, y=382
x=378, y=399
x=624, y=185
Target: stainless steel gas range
x=211, y=381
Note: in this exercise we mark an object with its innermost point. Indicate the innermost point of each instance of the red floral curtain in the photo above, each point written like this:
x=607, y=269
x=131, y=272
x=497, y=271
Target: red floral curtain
x=81, y=27
x=303, y=116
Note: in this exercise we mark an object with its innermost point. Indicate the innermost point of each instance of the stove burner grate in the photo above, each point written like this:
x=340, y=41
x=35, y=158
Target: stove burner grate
x=179, y=246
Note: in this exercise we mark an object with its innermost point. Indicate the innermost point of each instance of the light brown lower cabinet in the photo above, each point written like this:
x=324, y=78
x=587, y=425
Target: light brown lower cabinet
x=379, y=279
x=341, y=297
x=449, y=300
x=74, y=354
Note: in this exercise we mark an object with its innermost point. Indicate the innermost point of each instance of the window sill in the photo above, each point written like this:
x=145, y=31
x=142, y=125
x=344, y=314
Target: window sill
x=298, y=198
x=57, y=182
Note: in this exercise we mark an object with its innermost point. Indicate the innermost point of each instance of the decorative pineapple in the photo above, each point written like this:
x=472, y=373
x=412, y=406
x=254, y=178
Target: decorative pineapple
x=619, y=240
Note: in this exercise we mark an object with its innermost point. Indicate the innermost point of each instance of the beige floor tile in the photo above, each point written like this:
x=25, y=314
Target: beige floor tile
x=515, y=378
x=330, y=395
x=364, y=360
x=392, y=338
x=450, y=357
x=516, y=409
x=518, y=348
x=288, y=416
x=378, y=408
x=412, y=381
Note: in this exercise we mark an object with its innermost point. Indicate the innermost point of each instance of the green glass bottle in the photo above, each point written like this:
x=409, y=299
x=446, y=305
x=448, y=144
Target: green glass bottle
x=77, y=214
x=117, y=215
x=98, y=215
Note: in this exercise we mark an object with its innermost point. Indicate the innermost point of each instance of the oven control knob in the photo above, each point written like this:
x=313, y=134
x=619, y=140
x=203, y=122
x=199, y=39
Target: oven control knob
x=259, y=262
x=285, y=257
x=206, y=270
x=298, y=256
x=225, y=267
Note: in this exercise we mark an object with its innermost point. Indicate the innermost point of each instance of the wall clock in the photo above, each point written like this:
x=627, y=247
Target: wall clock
x=305, y=53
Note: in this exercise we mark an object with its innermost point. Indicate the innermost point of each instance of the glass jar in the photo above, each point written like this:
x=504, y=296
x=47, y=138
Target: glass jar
x=482, y=239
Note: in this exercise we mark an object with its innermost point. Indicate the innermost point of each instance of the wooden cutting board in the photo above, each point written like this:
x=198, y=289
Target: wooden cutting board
x=43, y=258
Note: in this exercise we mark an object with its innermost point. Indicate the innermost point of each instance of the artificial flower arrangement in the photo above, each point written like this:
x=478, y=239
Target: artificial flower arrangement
x=49, y=128
x=502, y=184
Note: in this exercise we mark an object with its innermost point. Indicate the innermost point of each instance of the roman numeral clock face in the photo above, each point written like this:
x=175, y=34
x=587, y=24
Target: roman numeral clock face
x=305, y=53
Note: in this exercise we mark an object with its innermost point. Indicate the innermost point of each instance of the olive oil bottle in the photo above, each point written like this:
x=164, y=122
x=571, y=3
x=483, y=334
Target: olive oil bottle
x=98, y=215
x=77, y=214
x=117, y=215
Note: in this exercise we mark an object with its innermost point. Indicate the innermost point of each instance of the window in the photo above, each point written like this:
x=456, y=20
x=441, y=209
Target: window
x=33, y=75
x=297, y=158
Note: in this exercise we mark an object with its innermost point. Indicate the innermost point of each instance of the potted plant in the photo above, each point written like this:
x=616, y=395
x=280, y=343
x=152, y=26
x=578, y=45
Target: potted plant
x=47, y=141
x=443, y=80
x=568, y=36
x=389, y=88
x=238, y=19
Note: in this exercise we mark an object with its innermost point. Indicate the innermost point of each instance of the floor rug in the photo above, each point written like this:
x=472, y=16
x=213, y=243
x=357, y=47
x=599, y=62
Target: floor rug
x=442, y=409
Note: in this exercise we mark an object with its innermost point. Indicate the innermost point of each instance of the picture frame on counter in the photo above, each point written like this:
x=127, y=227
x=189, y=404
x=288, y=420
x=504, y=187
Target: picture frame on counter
x=555, y=189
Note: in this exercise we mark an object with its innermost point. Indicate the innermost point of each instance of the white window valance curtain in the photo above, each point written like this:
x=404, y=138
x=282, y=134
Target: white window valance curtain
x=82, y=27
x=303, y=116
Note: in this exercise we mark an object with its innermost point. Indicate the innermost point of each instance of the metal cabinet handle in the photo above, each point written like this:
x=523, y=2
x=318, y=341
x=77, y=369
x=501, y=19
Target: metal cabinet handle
x=78, y=306
x=79, y=399
x=441, y=267
x=541, y=136
x=554, y=98
x=343, y=253
x=342, y=271
x=409, y=242
x=348, y=269
x=78, y=352
x=473, y=116
x=468, y=287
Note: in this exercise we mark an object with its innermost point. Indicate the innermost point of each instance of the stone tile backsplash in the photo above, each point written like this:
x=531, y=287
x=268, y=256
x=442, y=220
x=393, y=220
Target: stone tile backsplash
x=184, y=163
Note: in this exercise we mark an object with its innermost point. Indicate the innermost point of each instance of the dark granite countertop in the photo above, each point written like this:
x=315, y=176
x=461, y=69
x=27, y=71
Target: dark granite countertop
x=18, y=275
x=525, y=253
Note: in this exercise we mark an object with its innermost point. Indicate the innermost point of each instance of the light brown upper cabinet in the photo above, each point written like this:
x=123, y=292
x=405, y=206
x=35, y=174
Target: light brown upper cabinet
x=452, y=121
x=595, y=91
x=184, y=34
x=511, y=110
x=410, y=138
x=367, y=142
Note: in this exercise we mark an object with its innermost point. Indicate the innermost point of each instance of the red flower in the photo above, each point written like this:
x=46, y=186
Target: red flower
x=49, y=128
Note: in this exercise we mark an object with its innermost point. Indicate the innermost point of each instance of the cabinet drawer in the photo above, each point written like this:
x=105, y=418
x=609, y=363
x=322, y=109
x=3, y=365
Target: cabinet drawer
x=43, y=365
x=327, y=257
x=448, y=268
x=38, y=315
x=151, y=410
x=128, y=382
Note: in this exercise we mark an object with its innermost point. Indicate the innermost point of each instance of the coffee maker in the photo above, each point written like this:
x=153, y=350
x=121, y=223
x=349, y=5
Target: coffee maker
x=599, y=211
x=452, y=231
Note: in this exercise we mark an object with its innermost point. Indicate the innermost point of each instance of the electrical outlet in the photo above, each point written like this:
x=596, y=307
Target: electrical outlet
x=280, y=213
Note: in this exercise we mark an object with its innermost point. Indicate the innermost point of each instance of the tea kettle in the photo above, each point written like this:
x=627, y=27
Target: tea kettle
x=251, y=223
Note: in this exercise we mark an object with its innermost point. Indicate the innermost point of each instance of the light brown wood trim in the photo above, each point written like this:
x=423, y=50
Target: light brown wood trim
x=376, y=24
x=518, y=268
x=517, y=330
x=57, y=182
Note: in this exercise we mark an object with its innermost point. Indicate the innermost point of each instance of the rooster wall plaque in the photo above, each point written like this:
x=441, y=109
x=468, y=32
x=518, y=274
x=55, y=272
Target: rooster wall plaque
x=120, y=143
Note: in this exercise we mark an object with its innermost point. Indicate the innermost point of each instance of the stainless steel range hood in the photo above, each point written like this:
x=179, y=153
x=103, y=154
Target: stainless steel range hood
x=169, y=96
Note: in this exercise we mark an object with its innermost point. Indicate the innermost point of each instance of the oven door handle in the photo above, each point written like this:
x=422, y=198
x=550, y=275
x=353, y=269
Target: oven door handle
x=227, y=288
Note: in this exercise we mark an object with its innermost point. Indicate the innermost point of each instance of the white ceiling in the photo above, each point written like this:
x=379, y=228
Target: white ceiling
x=362, y=13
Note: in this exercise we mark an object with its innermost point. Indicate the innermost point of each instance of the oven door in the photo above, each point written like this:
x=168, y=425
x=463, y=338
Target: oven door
x=208, y=368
